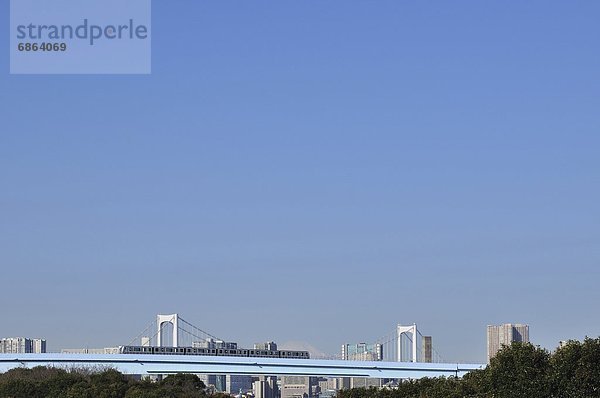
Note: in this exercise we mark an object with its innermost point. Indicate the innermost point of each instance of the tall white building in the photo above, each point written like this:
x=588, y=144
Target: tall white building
x=498, y=336
x=38, y=346
x=22, y=345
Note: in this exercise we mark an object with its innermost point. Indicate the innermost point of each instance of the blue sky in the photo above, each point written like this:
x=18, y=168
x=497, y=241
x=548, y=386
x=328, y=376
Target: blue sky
x=314, y=171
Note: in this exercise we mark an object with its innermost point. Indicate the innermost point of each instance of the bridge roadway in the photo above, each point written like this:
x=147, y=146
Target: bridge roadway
x=167, y=364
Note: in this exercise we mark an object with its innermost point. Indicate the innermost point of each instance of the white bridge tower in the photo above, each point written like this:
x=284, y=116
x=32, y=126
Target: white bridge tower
x=406, y=330
x=173, y=319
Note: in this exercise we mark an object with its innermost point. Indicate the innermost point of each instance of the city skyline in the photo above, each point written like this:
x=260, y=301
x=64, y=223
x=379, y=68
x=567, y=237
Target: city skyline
x=313, y=172
x=497, y=336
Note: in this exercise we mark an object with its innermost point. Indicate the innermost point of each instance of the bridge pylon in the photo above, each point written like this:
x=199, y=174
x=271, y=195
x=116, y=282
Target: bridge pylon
x=405, y=330
x=173, y=319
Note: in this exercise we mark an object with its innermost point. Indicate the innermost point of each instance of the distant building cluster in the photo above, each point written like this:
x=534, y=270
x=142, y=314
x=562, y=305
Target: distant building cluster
x=215, y=344
x=22, y=345
x=501, y=335
x=259, y=386
x=362, y=352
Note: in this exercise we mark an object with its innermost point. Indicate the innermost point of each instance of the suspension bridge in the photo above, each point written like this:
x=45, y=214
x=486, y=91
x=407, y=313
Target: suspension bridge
x=404, y=354
x=402, y=344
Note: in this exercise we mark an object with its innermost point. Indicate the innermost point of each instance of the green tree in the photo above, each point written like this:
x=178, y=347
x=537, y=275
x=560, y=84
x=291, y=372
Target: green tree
x=109, y=384
x=26, y=383
x=182, y=385
x=80, y=390
x=146, y=389
x=517, y=371
x=576, y=369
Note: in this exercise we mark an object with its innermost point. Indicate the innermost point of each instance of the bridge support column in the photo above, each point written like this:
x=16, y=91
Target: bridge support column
x=173, y=319
x=413, y=332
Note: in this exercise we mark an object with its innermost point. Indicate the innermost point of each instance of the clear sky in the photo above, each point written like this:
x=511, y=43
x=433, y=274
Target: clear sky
x=312, y=170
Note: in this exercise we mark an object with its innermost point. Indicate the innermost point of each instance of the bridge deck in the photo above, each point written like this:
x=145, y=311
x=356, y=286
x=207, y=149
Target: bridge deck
x=166, y=364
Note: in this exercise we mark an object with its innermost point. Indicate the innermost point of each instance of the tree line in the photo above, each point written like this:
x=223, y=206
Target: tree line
x=45, y=382
x=520, y=370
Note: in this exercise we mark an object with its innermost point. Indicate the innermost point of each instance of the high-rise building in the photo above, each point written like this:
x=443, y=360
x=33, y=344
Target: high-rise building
x=13, y=345
x=216, y=383
x=427, y=349
x=22, y=345
x=328, y=387
x=236, y=383
x=498, y=336
x=362, y=352
x=38, y=346
x=299, y=387
x=265, y=387
x=365, y=382
x=268, y=346
x=230, y=384
x=214, y=344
